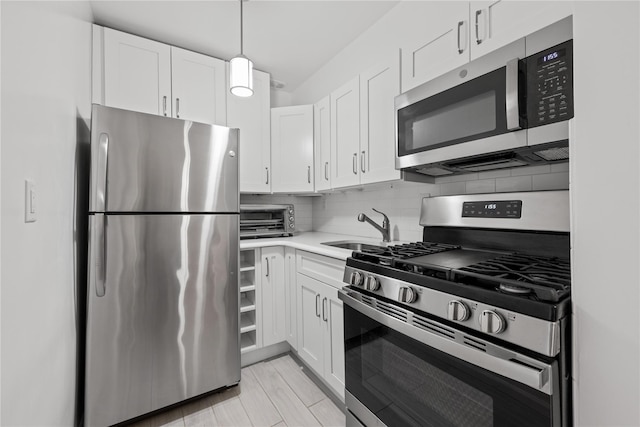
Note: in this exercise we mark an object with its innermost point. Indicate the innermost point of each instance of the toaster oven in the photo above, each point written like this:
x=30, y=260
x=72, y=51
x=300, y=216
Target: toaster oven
x=260, y=220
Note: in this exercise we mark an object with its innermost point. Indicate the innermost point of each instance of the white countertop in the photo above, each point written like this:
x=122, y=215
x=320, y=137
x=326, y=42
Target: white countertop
x=312, y=241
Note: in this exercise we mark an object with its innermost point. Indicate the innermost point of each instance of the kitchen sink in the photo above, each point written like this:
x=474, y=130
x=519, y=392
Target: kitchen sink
x=355, y=246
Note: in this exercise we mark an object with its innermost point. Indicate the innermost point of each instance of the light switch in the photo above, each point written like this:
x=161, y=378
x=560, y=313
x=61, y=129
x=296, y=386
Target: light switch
x=30, y=201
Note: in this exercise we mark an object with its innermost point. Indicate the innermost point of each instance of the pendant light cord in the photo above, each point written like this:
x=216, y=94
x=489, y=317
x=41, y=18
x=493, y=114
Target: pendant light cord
x=241, y=29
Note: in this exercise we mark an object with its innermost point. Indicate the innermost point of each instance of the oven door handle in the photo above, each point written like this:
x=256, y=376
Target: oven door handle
x=498, y=360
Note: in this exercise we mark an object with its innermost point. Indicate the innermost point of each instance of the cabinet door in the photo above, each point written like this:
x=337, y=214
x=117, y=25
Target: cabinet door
x=333, y=317
x=137, y=73
x=345, y=135
x=322, y=143
x=291, y=312
x=378, y=88
x=292, y=149
x=310, y=324
x=443, y=46
x=198, y=87
x=497, y=23
x=252, y=116
x=273, y=296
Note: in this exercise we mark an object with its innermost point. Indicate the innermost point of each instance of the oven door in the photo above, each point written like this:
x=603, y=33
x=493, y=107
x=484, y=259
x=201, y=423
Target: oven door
x=406, y=370
x=473, y=110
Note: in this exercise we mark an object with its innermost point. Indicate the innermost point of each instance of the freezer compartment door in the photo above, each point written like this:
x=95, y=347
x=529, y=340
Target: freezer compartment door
x=163, y=315
x=146, y=163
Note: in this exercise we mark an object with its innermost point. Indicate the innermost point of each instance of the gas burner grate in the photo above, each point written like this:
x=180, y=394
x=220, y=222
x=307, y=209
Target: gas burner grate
x=391, y=254
x=541, y=278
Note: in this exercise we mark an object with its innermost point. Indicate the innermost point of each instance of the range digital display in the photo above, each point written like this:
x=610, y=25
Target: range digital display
x=492, y=209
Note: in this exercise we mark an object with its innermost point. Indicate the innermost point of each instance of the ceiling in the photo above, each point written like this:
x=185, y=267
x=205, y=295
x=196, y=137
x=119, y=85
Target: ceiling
x=289, y=39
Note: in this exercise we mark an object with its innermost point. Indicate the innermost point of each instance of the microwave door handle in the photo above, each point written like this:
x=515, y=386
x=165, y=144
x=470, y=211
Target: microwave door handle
x=512, y=95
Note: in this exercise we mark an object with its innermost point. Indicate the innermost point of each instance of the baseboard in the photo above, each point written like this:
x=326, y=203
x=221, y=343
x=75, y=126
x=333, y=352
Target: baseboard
x=264, y=353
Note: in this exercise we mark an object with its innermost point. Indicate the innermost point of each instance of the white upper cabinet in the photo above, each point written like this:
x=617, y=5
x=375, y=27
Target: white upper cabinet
x=322, y=143
x=378, y=88
x=137, y=73
x=292, y=149
x=498, y=23
x=198, y=87
x=363, y=127
x=345, y=135
x=252, y=116
x=443, y=46
x=457, y=32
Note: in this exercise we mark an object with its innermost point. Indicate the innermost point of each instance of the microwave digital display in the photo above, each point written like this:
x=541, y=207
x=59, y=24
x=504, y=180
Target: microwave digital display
x=551, y=56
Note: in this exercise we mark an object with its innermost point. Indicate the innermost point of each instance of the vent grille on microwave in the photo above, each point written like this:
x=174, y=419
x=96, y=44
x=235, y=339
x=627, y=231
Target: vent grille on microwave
x=554, y=154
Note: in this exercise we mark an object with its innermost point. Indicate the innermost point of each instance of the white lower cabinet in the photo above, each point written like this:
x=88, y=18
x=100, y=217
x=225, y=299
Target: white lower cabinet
x=320, y=318
x=273, y=293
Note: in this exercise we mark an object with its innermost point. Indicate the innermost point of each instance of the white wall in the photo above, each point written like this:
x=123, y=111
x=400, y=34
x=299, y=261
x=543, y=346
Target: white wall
x=402, y=25
x=46, y=59
x=605, y=161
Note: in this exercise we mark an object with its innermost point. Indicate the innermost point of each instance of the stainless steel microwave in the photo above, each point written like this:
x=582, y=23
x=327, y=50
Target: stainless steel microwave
x=506, y=109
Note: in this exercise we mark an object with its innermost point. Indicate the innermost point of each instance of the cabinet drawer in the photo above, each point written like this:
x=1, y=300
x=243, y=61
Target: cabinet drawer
x=322, y=268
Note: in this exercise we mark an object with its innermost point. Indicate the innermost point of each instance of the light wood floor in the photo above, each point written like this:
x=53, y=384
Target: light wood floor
x=273, y=393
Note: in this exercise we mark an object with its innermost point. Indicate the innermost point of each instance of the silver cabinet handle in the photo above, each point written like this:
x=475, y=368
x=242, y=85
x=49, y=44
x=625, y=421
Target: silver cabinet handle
x=178, y=108
x=267, y=169
x=478, y=39
x=266, y=260
x=362, y=162
x=100, y=257
x=460, y=24
x=164, y=105
x=317, y=305
x=355, y=163
x=324, y=309
x=326, y=171
x=309, y=174
x=511, y=96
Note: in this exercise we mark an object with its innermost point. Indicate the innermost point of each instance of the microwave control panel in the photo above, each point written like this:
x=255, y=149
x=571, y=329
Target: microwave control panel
x=550, y=85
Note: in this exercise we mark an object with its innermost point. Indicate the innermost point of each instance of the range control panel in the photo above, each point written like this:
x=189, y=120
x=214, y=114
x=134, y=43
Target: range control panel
x=550, y=85
x=494, y=209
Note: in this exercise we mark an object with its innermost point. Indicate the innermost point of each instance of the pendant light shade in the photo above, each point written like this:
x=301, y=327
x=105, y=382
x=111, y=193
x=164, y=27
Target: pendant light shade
x=241, y=70
x=241, y=76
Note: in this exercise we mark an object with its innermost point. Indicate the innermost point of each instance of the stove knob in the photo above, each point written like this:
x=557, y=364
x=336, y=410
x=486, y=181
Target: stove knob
x=458, y=311
x=356, y=278
x=407, y=294
x=371, y=283
x=491, y=322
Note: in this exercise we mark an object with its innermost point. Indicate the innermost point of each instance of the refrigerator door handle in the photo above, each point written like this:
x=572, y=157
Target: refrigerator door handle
x=101, y=173
x=100, y=259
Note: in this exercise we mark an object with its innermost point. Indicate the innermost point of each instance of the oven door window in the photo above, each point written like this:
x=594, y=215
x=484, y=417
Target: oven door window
x=472, y=110
x=406, y=383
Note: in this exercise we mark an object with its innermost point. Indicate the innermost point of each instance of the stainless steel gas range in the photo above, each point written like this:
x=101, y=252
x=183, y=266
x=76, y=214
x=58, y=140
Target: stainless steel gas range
x=469, y=327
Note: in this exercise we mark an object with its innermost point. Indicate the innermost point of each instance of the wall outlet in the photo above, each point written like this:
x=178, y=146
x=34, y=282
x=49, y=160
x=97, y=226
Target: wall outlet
x=29, y=201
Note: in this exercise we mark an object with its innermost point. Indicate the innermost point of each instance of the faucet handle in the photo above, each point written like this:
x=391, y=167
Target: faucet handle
x=386, y=218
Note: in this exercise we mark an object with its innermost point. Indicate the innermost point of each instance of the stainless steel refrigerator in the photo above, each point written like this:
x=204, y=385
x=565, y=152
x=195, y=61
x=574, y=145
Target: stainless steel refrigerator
x=162, y=296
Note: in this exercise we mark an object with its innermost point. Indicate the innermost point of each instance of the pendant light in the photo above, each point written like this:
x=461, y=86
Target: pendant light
x=241, y=70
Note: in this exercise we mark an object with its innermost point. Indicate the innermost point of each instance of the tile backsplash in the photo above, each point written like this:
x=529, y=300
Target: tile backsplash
x=337, y=212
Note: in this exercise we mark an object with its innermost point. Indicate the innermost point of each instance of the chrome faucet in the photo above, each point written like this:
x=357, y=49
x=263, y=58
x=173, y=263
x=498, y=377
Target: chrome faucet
x=385, y=229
